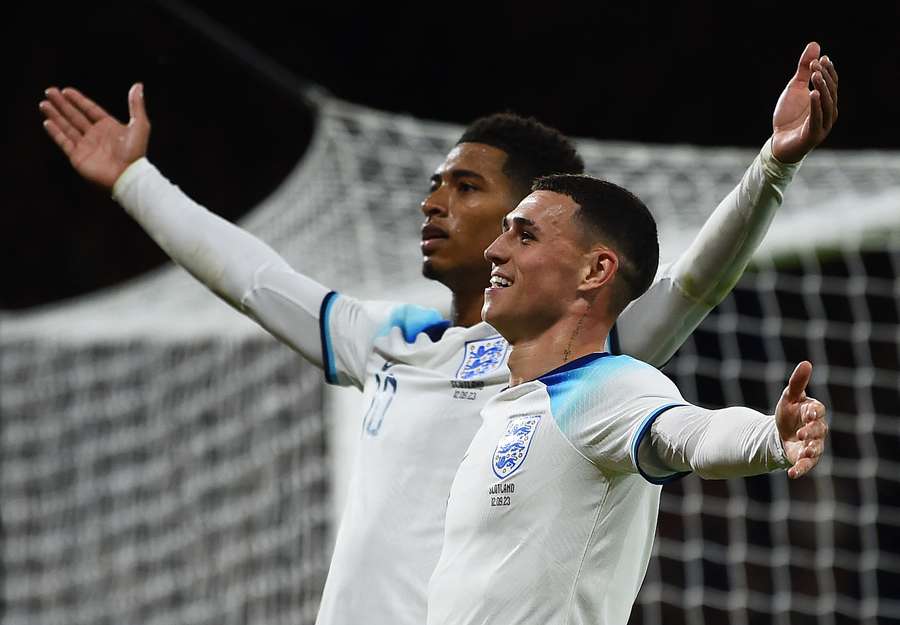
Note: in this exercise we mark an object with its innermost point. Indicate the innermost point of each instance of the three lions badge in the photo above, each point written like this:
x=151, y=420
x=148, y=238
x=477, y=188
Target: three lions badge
x=513, y=445
x=482, y=356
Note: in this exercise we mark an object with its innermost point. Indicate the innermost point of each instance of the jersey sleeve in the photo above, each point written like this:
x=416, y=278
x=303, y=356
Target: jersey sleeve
x=607, y=410
x=655, y=325
x=715, y=444
x=627, y=417
x=350, y=329
x=239, y=268
x=333, y=331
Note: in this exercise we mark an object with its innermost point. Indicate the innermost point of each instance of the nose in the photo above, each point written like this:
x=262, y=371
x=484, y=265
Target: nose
x=496, y=253
x=434, y=204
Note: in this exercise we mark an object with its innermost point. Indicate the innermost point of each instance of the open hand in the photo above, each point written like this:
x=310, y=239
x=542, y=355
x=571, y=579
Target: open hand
x=801, y=423
x=99, y=147
x=804, y=117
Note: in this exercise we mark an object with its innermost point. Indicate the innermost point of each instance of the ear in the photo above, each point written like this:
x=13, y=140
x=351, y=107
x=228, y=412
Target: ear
x=599, y=270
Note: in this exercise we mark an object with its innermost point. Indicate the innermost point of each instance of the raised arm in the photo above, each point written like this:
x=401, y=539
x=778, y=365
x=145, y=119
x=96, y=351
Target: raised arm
x=656, y=325
x=736, y=442
x=235, y=265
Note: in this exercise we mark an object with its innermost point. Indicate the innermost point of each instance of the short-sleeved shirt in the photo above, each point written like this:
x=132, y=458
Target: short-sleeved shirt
x=550, y=517
x=424, y=386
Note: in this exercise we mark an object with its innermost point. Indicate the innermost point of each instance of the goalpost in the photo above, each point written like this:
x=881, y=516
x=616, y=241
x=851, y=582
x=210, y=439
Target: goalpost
x=164, y=461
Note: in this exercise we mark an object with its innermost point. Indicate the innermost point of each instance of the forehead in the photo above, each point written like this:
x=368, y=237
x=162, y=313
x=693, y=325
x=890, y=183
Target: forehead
x=547, y=209
x=480, y=158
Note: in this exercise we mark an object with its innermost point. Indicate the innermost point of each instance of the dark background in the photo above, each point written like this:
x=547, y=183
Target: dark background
x=690, y=72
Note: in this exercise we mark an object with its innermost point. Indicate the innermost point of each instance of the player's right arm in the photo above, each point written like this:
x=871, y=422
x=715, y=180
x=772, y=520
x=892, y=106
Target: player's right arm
x=331, y=331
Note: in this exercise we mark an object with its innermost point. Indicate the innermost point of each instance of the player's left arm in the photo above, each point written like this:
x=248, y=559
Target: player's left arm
x=736, y=442
x=653, y=327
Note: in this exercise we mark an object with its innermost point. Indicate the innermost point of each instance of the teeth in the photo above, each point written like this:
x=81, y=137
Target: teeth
x=500, y=281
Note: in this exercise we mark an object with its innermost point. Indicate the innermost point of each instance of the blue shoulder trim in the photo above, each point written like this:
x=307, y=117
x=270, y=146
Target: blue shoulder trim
x=325, y=336
x=564, y=384
x=414, y=320
x=549, y=377
x=636, y=444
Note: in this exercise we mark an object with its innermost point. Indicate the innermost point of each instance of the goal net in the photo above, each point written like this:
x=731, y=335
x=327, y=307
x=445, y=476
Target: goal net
x=164, y=461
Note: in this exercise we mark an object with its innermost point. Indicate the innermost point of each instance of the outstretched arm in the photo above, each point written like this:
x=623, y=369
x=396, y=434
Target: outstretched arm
x=235, y=265
x=656, y=325
x=735, y=442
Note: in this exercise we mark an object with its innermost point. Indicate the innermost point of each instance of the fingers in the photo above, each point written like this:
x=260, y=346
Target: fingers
x=829, y=78
x=796, y=388
x=825, y=101
x=87, y=107
x=829, y=73
x=808, y=459
x=60, y=123
x=816, y=114
x=812, y=410
x=802, y=467
x=813, y=433
x=72, y=114
x=59, y=137
x=825, y=95
x=810, y=54
x=136, y=103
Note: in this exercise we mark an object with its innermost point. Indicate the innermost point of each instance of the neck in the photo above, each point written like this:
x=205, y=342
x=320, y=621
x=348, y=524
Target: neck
x=466, y=308
x=570, y=339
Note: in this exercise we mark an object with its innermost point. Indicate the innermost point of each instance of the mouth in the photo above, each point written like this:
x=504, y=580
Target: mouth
x=432, y=238
x=498, y=282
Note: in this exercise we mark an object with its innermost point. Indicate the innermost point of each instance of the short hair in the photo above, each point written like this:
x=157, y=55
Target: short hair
x=532, y=149
x=617, y=218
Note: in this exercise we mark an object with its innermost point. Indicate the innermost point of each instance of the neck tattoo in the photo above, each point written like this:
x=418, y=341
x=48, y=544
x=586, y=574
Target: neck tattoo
x=575, y=333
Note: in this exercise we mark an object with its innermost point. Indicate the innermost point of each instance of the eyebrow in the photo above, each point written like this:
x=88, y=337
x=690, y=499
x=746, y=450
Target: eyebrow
x=456, y=174
x=521, y=221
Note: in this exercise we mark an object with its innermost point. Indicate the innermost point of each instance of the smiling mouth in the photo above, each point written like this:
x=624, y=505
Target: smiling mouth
x=499, y=282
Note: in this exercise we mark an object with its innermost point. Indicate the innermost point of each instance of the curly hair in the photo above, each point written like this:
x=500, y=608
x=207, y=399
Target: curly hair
x=532, y=149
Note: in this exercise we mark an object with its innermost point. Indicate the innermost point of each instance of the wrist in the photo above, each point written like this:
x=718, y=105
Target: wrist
x=777, y=454
x=775, y=168
x=127, y=176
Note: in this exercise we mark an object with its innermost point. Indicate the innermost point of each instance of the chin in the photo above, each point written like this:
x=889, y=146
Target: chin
x=429, y=271
x=490, y=316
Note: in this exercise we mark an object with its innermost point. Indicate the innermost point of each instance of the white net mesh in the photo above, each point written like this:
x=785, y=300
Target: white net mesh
x=818, y=550
x=163, y=461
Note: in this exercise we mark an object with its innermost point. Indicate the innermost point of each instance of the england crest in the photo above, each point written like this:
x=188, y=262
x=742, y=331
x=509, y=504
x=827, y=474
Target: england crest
x=513, y=445
x=482, y=356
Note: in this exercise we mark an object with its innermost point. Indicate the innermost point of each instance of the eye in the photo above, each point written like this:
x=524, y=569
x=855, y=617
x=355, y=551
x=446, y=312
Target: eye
x=526, y=237
x=466, y=187
x=433, y=185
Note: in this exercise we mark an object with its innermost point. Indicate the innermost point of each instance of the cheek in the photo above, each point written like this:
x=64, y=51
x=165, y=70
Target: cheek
x=480, y=219
x=558, y=280
x=479, y=234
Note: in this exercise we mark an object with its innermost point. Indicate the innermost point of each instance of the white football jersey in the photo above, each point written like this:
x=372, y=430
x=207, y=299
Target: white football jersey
x=423, y=394
x=424, y=384
x=550, y=517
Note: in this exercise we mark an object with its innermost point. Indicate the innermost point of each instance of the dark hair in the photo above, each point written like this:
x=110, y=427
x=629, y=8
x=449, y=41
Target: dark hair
x=619, y=219
x=532, y=149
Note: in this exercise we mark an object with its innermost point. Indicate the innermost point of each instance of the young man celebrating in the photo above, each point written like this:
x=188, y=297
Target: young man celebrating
x=552, y=512
x=425, y=379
